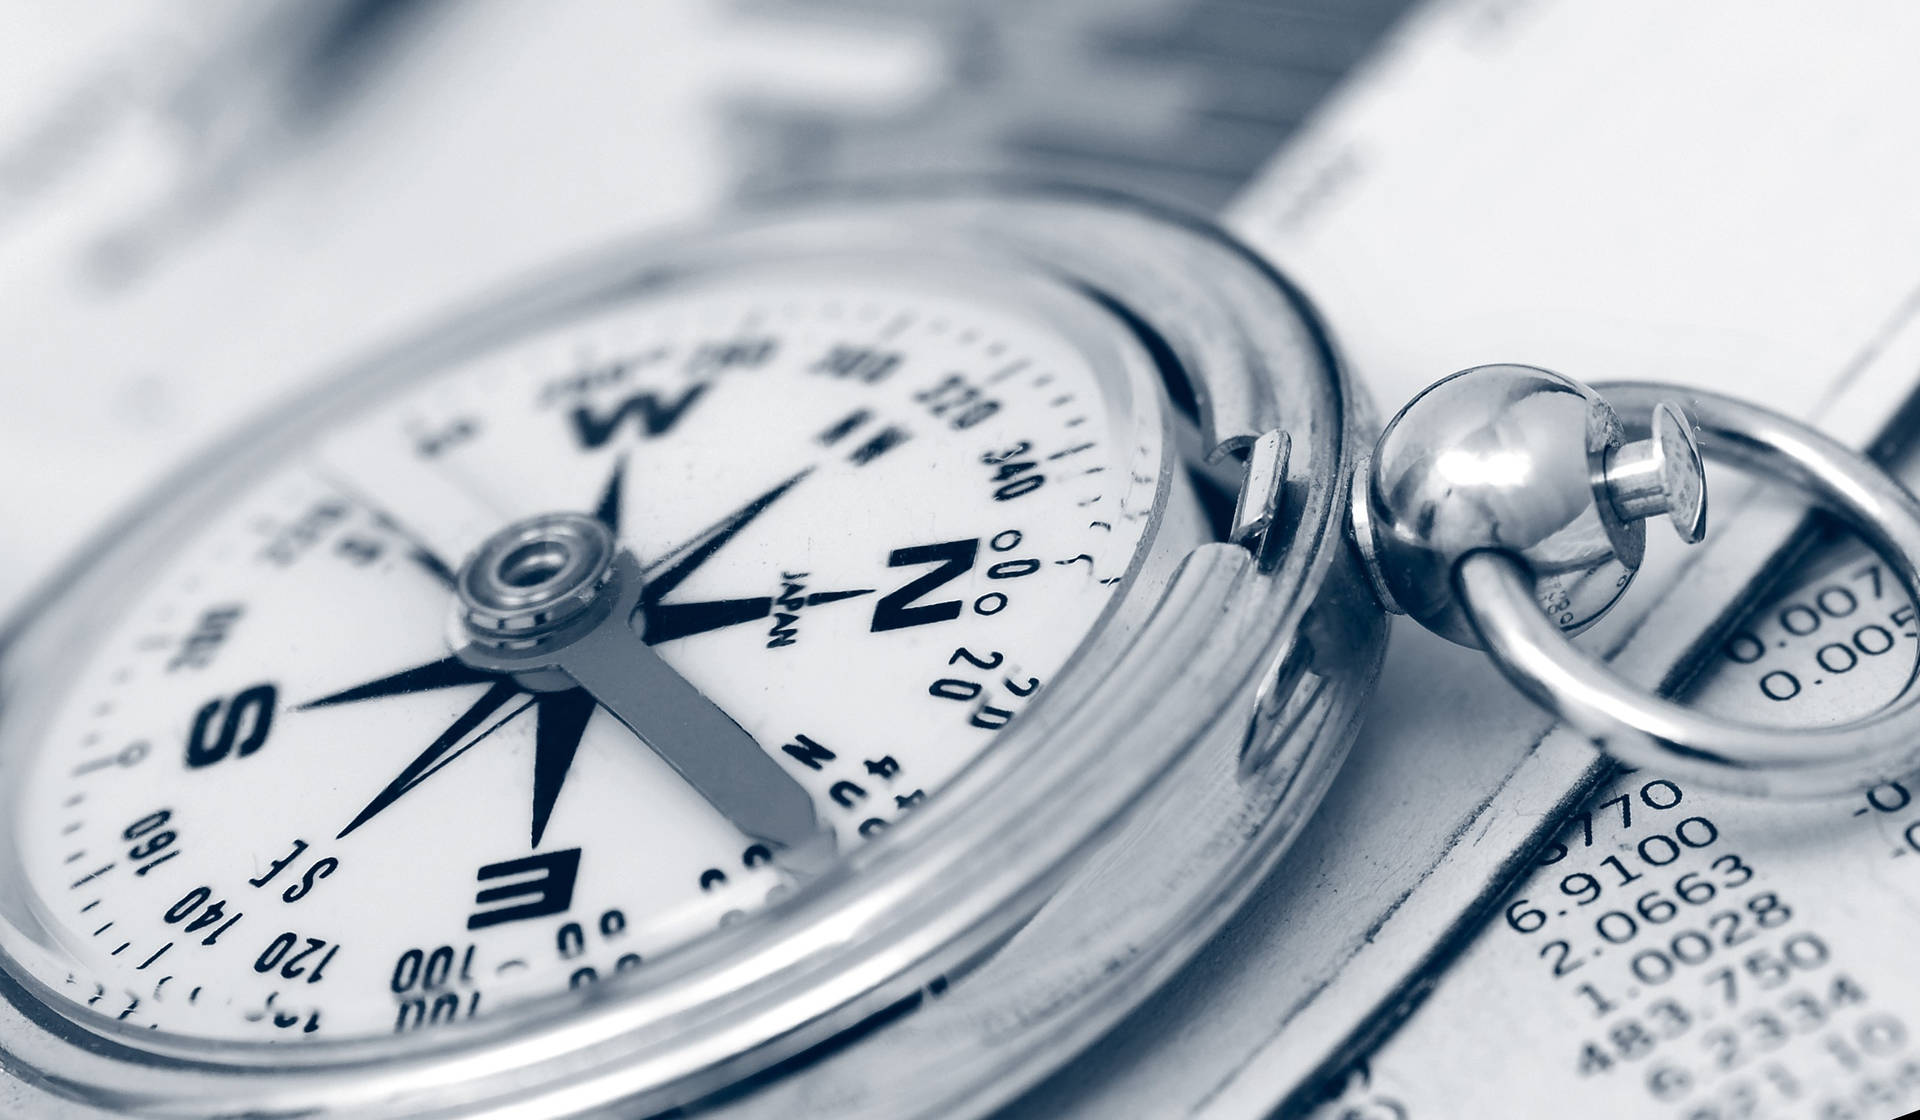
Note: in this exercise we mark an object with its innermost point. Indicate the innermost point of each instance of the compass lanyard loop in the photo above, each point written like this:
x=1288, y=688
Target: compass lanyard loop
x=1504, y=509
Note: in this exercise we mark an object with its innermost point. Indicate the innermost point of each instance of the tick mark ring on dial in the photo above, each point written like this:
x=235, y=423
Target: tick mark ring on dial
x=533, y=578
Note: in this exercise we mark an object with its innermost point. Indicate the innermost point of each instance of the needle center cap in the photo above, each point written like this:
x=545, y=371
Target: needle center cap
x=534, y=577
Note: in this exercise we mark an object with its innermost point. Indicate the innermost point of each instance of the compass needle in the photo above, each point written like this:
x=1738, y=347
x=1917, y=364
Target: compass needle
x=702, y=743
x=418, y=553
x=575, y=620
x=440, y=519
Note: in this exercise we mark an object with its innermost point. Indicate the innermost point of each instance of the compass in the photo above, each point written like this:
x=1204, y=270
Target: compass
x=901, y=623
x=684, y=659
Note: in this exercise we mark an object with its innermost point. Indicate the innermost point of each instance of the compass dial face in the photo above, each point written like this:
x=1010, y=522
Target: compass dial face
x=297, y=789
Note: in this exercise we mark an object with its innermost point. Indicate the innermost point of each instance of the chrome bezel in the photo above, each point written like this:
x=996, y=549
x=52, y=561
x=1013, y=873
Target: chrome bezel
x=1208, y=727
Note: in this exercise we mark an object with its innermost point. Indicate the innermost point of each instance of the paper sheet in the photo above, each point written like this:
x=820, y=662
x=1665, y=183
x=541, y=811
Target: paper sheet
x=1614, y=191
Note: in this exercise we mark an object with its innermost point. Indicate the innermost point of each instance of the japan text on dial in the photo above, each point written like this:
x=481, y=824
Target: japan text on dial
x=781, y=639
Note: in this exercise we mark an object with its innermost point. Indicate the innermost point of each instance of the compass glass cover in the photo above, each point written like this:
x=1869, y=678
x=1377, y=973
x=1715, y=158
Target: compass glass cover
x=260, y=794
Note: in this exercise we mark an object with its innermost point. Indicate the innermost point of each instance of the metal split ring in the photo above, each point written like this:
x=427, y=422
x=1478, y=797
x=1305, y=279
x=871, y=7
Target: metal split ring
x=1636, y=727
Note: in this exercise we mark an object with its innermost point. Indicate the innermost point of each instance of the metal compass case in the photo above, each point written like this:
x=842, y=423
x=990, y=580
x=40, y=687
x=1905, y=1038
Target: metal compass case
x=894, y=630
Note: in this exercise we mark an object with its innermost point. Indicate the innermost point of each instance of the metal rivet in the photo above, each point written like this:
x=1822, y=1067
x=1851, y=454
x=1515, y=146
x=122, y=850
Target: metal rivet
x=1661, y=474
x=1258, y=505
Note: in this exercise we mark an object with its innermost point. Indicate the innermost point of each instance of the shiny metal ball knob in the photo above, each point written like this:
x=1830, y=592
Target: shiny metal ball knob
x=1530, y=463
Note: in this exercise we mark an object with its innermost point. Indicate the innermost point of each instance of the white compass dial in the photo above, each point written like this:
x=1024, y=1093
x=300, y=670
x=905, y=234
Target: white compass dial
x=558, y=657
